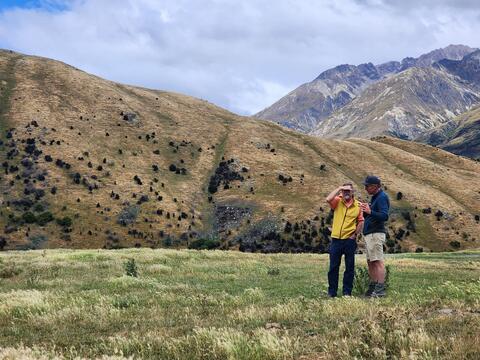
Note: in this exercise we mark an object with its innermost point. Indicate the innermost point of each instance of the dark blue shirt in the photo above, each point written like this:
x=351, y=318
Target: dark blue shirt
x=375, y=222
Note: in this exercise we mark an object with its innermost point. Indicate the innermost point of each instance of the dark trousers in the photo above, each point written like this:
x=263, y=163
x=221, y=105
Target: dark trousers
x=337, y=249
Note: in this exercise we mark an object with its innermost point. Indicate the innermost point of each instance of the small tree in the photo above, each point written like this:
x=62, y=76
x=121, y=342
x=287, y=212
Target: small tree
x=131, y=268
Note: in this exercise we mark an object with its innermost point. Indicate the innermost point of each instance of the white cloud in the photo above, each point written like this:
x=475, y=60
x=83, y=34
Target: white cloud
x=242, y=55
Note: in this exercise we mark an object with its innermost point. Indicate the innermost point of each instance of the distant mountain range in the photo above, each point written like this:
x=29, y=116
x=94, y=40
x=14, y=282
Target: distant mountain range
x=407, y=99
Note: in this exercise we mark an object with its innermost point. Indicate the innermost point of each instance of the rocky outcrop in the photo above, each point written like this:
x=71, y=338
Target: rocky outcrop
x=467, y=69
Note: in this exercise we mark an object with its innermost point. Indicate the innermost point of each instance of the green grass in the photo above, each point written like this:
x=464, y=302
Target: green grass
x=231, y=305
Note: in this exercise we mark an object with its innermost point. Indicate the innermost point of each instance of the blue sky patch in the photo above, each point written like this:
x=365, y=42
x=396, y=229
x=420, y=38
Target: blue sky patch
x=47, y=5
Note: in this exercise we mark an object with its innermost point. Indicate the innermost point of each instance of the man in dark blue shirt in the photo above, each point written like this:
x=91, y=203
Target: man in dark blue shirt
x=376, y=214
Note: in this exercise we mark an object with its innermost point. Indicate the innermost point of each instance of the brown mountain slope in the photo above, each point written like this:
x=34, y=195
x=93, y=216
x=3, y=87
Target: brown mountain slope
x=465, y=139
x=90, y=163
x=460, y=136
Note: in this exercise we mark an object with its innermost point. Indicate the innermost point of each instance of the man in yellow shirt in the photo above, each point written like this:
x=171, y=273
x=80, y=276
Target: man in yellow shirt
x=347, y=224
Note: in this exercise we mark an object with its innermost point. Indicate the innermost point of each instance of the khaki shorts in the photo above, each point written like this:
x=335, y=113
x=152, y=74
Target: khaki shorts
x=374, y=246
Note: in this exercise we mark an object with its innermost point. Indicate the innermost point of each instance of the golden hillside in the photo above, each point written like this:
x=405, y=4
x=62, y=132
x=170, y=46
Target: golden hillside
x=90, y=163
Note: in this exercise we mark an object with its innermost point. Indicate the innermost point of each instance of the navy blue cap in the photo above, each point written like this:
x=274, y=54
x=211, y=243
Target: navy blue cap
x=371, y=180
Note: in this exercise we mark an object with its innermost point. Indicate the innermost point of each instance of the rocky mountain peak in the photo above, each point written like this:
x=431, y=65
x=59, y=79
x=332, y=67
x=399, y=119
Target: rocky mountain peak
x=467, y=68
x=452, y=52
x=473, y=56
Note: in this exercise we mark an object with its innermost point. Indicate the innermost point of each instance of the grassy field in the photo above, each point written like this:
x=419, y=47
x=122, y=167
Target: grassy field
x=231, y=305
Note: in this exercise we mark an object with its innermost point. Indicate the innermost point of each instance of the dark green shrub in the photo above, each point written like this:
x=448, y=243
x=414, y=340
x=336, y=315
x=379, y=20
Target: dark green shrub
x=44, y=218
x=362, y=279
x=131, y=268
x=29, y=217
x=204, y=244
x=65, y=221
x=167, y=242
x=38, y=208
x=455, y=244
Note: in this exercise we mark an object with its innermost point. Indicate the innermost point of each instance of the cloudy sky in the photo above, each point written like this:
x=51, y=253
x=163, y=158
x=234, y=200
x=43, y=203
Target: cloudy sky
x=242, y=55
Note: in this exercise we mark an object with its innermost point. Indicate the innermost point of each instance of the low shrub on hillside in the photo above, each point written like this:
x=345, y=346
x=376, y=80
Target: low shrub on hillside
x=128, y=215
x=204, y=244
x=65, y=221
x=29, y=217
x=37, y=240
x=44, y=218
x=455, y=244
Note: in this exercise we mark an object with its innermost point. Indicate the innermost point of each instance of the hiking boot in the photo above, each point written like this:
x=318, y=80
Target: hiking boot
x=379, y=290
x=371, y=287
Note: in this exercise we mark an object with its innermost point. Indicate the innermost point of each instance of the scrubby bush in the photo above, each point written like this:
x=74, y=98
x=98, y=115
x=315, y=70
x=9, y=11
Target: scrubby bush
x=38, y=208
x=37, y=240
x=455, y=244
x=131, y=268
x=438, y=214
x=208, y=243
x=167, y=242
x=65, y=221
x=362, y=279
x=128, y=215
x=44, y=218
x=29, y=217
x=390, y=243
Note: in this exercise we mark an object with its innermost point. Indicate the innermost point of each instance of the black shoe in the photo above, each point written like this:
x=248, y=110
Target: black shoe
x=379, y=290
x=371, y=287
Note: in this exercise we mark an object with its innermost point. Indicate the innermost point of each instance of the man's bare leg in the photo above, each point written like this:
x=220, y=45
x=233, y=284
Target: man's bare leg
x=376, y=270
x=378, y=277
